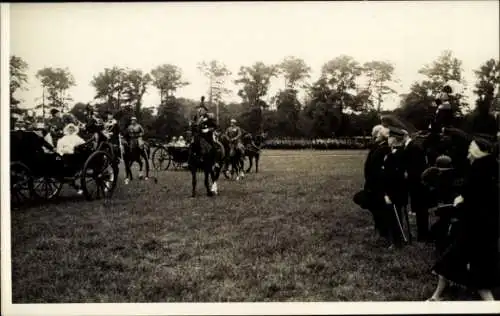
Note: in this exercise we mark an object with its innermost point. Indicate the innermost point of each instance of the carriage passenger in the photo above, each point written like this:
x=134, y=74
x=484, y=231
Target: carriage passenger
x=181, y=142
x=172, y=142
x=66, y=145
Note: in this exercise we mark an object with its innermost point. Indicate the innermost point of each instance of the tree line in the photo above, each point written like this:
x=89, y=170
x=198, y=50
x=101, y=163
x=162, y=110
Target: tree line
x=346, y=99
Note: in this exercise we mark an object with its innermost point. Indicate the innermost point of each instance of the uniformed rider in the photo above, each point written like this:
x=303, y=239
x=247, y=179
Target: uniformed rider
x=136, y=132
x=56, y=124
x=234, y=133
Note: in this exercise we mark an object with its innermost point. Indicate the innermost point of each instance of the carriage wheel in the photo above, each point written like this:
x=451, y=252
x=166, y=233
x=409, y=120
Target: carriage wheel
x=161, y=159
x=47, y=187
x=99, y=176
x=21, y=184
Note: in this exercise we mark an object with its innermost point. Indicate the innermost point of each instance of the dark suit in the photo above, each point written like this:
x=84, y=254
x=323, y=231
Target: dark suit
x=415, y=164
x=373, y=179
x=394, y=186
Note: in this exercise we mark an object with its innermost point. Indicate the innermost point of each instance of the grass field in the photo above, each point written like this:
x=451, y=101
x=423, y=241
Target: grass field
x=289, y=233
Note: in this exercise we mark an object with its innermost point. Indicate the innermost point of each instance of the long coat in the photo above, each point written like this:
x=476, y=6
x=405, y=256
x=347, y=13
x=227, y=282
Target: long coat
x=473, y=259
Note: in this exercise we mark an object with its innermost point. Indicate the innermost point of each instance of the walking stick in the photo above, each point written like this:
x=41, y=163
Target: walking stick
x=407, y=219
x=399, y=223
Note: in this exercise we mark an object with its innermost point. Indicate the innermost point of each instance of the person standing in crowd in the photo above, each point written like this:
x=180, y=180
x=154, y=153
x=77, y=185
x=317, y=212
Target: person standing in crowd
x=472, y=260
x=415, y=164
x=374, y=177
x=394, y=186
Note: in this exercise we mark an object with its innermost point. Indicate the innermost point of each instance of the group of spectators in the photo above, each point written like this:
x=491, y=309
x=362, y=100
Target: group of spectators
x=399, y=178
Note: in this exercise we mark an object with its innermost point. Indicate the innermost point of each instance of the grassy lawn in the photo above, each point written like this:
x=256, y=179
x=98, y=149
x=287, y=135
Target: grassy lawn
x=289, y=233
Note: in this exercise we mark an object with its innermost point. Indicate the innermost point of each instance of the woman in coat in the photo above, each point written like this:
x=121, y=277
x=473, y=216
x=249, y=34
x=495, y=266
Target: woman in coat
x=472, y=260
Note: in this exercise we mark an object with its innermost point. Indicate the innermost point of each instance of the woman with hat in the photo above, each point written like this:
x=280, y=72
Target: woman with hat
x=66, y=145
x=473, y=260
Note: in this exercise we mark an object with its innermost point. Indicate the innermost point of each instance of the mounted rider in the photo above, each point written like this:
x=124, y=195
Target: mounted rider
x=235, y=134
x=136, y=132
x=203, y=125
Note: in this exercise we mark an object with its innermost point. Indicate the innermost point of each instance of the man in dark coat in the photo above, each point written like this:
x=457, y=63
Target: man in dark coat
x=394, y=186
x=374, y=176
x=415, y=164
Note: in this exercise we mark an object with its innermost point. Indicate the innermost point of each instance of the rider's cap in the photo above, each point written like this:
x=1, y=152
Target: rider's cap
x=54, y=111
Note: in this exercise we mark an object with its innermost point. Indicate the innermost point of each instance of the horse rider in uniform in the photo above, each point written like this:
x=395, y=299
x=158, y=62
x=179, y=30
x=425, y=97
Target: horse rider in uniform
x=234, y=133
x=202, y=124
x=136, y=132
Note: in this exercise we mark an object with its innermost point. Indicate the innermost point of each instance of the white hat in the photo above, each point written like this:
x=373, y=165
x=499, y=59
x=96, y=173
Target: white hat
x=233, y=120
x=68, y=127
x=133, y=118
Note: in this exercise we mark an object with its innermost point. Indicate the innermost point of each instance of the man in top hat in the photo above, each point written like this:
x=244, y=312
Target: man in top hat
x=135, y=131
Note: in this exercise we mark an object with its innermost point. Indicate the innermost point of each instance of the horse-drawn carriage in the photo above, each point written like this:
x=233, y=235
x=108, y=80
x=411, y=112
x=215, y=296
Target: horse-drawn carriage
x=165, y=155
x=37, y=171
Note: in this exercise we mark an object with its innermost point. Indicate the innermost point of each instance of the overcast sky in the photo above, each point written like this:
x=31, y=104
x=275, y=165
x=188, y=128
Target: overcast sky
x=87, y=37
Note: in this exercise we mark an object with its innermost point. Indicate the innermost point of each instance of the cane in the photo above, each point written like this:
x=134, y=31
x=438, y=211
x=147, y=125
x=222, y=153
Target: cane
x=399, y=223
x=407, y=219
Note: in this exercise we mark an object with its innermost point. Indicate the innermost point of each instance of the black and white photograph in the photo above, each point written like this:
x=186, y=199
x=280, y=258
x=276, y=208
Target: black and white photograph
x=250, y=152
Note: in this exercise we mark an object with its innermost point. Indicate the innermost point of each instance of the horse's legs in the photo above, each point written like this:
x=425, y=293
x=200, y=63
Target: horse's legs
x=250, y=156
x=128, y=171
x=208, y=172
x=146, y=162
x=193, y=179
x=257, y=156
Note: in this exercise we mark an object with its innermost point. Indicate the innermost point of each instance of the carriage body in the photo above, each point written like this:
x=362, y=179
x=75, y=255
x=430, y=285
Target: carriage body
x=165, y=156
x=39, y=172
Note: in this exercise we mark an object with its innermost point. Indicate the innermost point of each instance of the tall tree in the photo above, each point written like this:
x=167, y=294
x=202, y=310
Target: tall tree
x=167, y=79
x=294, y=71
x=18, y=78
x=378, y=74
x=110, y=86
x=444, y=69
x=255, y=81
x=57, y=82
x=417, y=106
x=135, y=86
x=216, y=73
x=487, y=87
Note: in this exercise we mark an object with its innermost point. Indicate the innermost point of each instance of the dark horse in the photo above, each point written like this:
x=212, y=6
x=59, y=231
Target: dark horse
x=132, y=152
x=252, y=150
x=234, y=158
x=204, y=156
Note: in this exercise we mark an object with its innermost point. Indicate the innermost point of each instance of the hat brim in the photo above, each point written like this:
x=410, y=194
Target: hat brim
x=67, y=127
